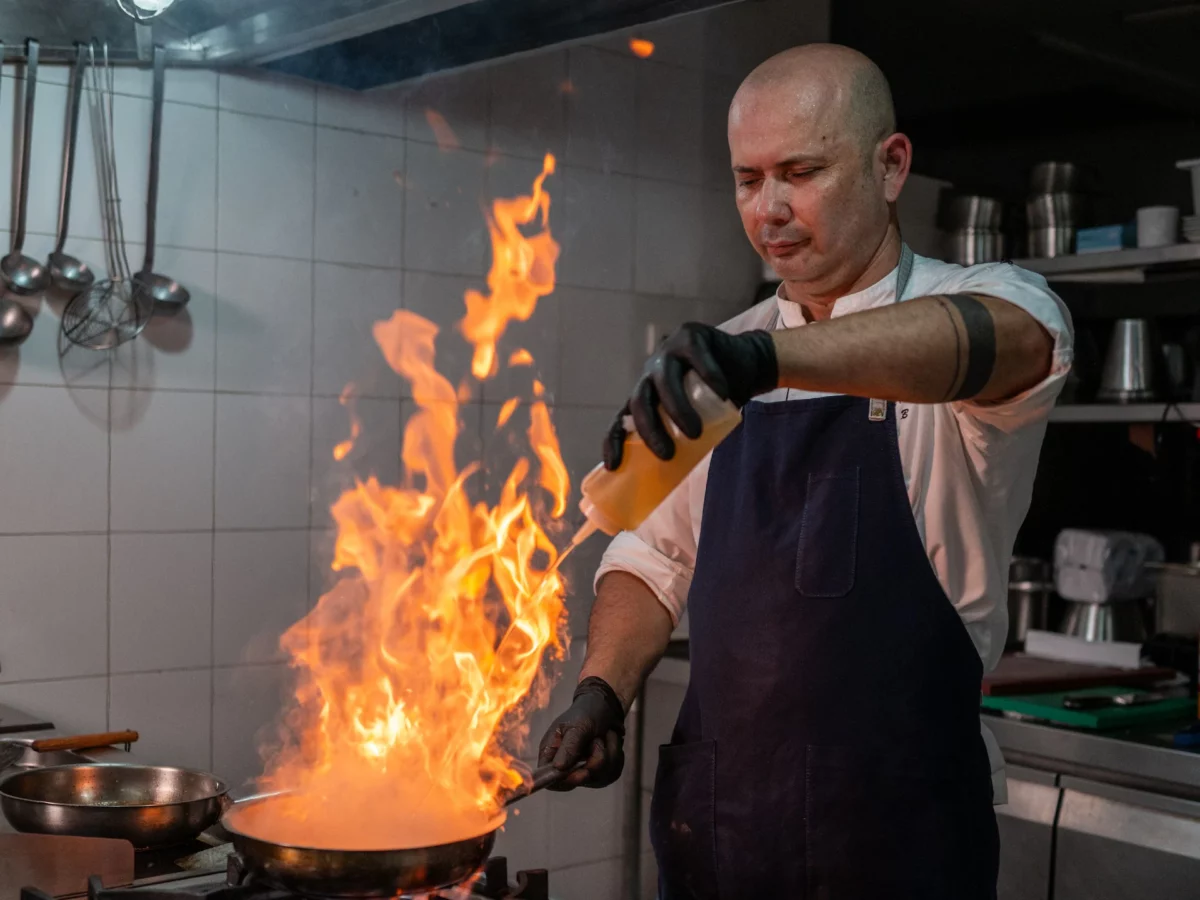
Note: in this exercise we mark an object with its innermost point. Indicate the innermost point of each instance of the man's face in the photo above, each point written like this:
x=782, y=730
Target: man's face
x=810, y=192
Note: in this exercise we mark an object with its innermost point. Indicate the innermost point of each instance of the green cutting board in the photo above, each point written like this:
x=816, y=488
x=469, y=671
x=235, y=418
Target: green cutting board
x=1050, y=707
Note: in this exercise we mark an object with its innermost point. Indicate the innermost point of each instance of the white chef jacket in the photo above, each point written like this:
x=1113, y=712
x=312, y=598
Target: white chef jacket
x=968, y=465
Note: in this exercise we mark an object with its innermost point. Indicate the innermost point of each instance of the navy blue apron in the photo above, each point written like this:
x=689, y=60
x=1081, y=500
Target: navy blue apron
x=829, y=743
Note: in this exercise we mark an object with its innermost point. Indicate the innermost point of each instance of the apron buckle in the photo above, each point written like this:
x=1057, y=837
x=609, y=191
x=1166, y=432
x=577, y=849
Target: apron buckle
x=877, y=410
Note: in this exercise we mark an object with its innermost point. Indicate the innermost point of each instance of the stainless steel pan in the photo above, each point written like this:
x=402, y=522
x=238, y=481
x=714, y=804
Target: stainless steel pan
x=338, y=874
x=148, y=806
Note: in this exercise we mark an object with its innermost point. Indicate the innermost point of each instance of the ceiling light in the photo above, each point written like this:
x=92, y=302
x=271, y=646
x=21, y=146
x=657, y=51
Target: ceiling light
x=141, y=10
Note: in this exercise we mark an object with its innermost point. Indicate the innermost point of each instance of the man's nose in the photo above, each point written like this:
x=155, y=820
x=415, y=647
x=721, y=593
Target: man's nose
x=772, y=202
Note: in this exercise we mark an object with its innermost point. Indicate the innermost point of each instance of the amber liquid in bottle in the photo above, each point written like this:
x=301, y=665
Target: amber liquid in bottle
x=621, y=500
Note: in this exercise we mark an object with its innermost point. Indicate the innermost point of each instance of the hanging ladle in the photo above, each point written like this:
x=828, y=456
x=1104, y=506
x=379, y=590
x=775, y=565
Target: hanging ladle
x=23, y=274
x=67, y=273
x=169, y=295
x=15, y=321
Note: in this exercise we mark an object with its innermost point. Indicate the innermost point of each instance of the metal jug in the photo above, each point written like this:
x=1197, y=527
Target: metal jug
x=1131, y=365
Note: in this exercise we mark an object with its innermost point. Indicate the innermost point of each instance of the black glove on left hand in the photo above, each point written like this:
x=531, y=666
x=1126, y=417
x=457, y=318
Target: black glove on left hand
x=736, y=366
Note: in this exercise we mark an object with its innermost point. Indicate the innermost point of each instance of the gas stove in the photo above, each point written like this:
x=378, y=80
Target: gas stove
x=238, y=883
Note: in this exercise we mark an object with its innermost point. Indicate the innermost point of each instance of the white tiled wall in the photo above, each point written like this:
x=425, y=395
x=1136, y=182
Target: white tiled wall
x=163, y=510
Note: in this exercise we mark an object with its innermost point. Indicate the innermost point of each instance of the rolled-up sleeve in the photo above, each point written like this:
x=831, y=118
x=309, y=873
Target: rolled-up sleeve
x=1029, y=291
x=662, y=551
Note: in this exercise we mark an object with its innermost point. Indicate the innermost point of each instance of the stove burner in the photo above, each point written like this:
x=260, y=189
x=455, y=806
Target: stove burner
x=240, y=884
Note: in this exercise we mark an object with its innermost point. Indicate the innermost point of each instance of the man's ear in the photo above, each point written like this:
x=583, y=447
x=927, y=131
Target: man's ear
x=896, y=153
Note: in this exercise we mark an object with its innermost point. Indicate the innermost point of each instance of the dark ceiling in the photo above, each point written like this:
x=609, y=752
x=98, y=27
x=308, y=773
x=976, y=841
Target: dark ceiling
x=985, y=89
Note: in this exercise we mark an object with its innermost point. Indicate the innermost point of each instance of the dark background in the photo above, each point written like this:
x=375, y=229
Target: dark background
x=987, y=89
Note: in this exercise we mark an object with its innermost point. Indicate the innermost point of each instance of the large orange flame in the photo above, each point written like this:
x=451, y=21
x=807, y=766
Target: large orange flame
x=522, y=271
x=445, y=607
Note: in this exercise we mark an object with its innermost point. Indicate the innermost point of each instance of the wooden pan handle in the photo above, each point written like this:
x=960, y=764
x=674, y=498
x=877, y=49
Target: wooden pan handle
x=85, y=741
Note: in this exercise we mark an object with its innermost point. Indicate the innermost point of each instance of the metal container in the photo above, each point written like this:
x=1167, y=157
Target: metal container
x=356, y=874
x=972, y=211
x=1130, y=373
x=1120, y=620
x=1052, y=177
x=1055, y=210
x=149, y=806
x=1048, y=242
x=1030, y=588
x=1177, y=599
x=967, y=247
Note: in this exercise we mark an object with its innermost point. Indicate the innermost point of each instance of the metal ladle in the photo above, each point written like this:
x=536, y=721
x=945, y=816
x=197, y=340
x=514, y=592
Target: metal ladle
x=68, y=273
x=24, y=274
x=15, y=321
x=169, y=295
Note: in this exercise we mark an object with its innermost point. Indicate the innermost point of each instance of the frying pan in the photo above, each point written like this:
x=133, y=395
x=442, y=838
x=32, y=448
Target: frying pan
x=13, y=750
x=344, y=874
x=149, y=806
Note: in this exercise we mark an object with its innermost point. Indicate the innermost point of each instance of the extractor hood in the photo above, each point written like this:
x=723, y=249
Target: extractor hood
x=354, y=43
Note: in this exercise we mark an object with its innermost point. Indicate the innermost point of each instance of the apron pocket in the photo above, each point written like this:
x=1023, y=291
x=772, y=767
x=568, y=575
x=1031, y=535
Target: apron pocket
x=915, y=829
x=682, y=821
x=828, y=551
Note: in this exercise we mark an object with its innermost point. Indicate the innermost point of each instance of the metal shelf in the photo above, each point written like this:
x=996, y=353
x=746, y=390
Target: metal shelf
x=1125, y=412
x=1115, y=266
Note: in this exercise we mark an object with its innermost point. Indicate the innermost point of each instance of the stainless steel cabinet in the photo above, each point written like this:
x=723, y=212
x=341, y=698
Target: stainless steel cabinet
x=1120, y=844
x=1026, y=824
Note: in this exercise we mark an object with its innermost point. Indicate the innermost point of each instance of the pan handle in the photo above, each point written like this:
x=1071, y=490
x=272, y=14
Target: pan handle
x=541, y=777
x=84, y=741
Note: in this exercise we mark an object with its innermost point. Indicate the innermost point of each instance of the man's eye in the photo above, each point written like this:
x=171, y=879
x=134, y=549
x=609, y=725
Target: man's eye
x=801, y=173
x=748, y=182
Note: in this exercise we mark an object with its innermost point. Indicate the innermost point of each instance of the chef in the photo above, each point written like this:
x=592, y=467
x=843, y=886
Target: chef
x=843, y=553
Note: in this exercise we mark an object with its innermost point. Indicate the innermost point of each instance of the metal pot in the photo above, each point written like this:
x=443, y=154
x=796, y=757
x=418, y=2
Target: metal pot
x=1051, y=177
x=968, y=247
x=149, y=806
x=1030, y=588
x=1056, y=209
x=972, y=211
x=1048, y=242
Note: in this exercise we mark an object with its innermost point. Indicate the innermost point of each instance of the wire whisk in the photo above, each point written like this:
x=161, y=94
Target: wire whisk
x=109, y=313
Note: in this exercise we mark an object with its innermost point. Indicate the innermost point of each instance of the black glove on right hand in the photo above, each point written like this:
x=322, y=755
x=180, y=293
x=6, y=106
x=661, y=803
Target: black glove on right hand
x=737, y=367
x=592, y=729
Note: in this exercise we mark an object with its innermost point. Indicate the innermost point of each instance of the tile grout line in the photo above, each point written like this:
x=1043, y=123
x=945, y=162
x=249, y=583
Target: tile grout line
x=310, y=487
x=223, y=667
x=274, y=529
x=108, y=555
x=637, y=163
x=212, y=544
x=402, y=279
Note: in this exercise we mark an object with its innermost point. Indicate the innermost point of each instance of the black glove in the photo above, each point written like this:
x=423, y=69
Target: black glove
x=593, y=729
x=736, y=366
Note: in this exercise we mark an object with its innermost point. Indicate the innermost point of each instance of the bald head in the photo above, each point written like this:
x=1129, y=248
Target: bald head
x=845, y=88
x=817, y=163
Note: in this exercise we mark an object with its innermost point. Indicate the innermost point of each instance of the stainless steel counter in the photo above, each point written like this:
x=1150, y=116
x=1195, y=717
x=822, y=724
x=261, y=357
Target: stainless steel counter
x=1142, y=758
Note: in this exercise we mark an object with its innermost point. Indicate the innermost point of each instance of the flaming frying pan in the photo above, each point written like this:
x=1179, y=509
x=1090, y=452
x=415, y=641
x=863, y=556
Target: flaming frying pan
x=325, y=873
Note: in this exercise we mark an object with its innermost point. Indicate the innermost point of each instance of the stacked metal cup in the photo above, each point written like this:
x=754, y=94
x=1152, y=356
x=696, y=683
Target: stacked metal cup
x=972, y=228
x=1054, y=209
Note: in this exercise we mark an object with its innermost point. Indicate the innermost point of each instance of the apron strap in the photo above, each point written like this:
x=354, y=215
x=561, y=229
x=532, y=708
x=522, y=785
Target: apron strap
x=904, y=271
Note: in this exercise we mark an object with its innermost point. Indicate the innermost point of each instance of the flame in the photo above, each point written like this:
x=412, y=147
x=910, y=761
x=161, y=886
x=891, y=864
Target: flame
x=521, y=357
x=506, y=411
x=522, y=271
x=544, y=441
x=641, y=47
x=442, y=132
x=344, y=448
x=411, y=667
